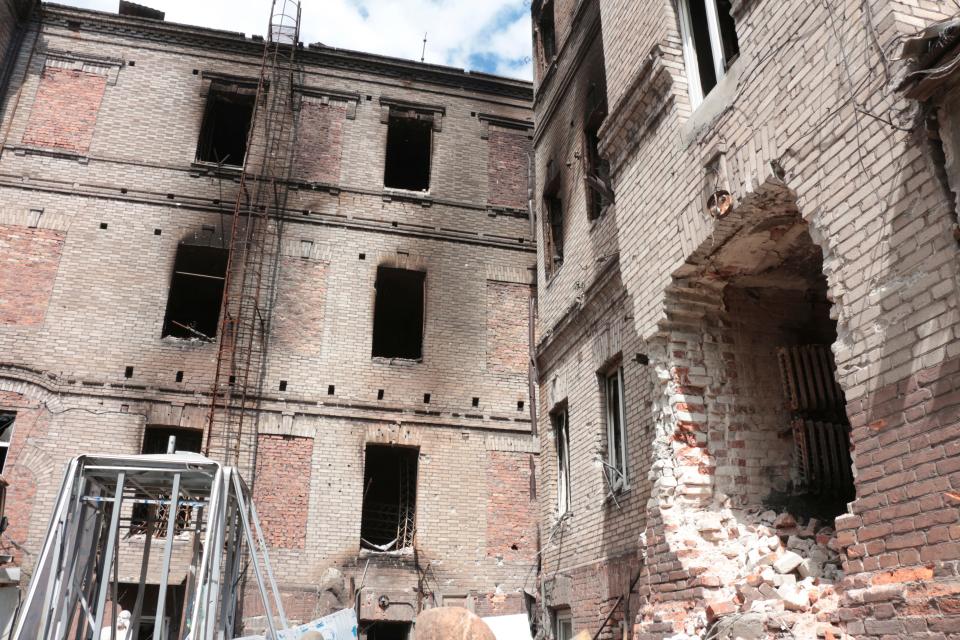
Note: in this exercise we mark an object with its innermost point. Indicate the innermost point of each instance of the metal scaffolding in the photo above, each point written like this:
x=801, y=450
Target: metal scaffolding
x=253, y=261
x=73, y=594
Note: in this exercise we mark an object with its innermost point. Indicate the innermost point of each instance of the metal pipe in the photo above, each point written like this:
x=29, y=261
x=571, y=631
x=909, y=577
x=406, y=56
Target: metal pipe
x=108, y=560
x=167, y=552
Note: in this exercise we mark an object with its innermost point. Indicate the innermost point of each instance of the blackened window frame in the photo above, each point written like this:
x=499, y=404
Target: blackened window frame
x=218, y=94
x=395, y=147
x=553, y=215
x=185, y=277
x=547, y=33
x=384, y=308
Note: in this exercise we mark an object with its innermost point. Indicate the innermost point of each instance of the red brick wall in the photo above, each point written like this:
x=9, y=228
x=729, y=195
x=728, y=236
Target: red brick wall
x=282, y=488
x=297, y=322
x=507, y=168
x=65, y=110
x=511, y=511
x=29, y=259
x=903, y=537
x=320, y=141
x=507, y=327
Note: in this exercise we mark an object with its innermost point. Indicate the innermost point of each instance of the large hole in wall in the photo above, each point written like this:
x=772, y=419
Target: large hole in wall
x=787, y=434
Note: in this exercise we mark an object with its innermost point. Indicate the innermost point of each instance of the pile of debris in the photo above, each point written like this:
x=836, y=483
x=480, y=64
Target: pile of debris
x=785, y=579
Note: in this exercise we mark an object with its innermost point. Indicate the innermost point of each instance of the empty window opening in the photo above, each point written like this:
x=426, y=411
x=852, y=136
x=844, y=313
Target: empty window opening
x=553, y=230
x=128, y=372
x=226, y=123
x=426, y=398
x=596, y=168
x=476, y=402
x=6, y=435
x=562, y=624
x=283, y=385
x=398, y=314
x=409, y=143
x=709, y=43
x=179, y=376
x=547, y=32
x=616, y=463
x=196, y=292
x=157, y=440
x=379, y=394
x=387, y=631
x=389, y=498
x=331, y=390
x=561, y=436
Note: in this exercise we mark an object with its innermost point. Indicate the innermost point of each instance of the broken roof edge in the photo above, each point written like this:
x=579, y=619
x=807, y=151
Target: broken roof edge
x=319, y=54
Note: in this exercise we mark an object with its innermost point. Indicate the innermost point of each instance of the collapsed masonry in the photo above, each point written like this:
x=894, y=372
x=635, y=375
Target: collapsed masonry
x=751, y=458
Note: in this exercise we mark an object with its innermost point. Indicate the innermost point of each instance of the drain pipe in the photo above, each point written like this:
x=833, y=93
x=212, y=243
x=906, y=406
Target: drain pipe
x=532, y=306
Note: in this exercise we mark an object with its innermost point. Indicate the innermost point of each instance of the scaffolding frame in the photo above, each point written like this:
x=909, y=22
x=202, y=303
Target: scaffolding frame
x=73, y=591
x=253, y=261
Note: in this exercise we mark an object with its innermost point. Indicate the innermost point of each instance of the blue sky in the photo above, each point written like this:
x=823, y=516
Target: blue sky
x=481, y=35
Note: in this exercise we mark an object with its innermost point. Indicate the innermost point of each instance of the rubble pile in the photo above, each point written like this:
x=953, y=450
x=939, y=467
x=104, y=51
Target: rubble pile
x=763, y=575
x=784, y=582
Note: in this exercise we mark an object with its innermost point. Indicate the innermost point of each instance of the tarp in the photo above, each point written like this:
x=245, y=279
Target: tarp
x=341, y=625
x=516, y=627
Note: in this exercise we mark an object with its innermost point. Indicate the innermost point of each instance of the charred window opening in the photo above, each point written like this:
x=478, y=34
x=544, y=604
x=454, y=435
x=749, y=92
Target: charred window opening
x=226, y=123
x=398, y=314
x=616, y=463
x=409, y=146
x=553, y=227
x=547, y=32
x=597, y=169
x=6, y=435
x=156, y=441
x=388, y=517
x=196, y=292
x=709, y=42
x=561, y=437
x=380, y=630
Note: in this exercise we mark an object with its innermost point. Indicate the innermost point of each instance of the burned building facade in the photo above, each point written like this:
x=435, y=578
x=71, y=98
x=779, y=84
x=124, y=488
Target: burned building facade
x=748, y=312
x=391, y=452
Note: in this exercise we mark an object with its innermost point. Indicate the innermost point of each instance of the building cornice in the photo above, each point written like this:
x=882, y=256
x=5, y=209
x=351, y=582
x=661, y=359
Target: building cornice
x=314, y=54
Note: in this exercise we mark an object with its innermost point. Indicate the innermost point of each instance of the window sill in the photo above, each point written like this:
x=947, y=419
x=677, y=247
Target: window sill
x=202, y=164
x=186, y=342
x=402, y=362
x=714, y=103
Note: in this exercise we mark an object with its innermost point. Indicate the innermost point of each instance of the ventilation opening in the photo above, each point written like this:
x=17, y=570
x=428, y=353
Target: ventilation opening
x=409, y=141
x=398, y=314
x=6, y=435
x=387, y=630
x=196, y=292
x=226, y=123
x=156, y=441
x=389, y=498
x=546, y=28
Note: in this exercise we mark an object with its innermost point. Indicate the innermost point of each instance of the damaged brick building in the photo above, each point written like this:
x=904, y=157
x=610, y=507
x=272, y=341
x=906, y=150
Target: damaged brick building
x=748, y=352
x=394, y=457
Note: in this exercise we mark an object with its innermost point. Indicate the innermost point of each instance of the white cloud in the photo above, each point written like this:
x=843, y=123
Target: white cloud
x=487, y=35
